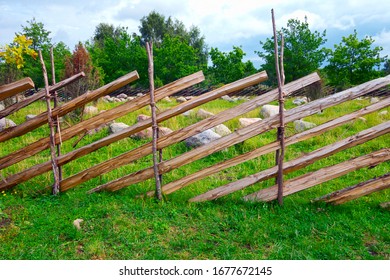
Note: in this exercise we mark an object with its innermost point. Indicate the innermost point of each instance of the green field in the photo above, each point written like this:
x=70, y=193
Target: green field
x=36, y=225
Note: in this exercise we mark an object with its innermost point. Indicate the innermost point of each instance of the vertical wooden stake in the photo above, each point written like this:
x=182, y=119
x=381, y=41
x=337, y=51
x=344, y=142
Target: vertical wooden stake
x=55, y=95
x=280, y=154
x=149, y=49
x=56, y=185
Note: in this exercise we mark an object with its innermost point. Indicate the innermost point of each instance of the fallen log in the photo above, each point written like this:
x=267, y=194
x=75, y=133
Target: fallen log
x=67, y=107
x=356, y=191
x=96, y=121
x=246, y=133
x=17, y=106
x=11, y=89
x=318, y=130
x=321, y=176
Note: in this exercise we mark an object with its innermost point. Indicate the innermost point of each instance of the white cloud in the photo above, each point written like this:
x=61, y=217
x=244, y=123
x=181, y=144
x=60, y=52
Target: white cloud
x=314, y=20
x=383, y=39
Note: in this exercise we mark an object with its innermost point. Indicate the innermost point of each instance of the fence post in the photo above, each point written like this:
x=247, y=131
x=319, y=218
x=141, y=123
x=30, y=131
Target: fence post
x=149, y=49
x=280, y=77
x=56, y=185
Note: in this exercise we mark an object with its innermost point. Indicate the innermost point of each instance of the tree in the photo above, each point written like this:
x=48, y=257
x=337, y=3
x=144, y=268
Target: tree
x=354, y=61
x=228, y=67
x=386, y=68
x=303, y=53
x=80, y=61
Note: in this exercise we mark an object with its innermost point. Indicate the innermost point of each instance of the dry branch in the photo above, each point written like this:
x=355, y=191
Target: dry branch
x=356, y=191
x=321, y=176
x=68, y=107
x=100, y=119
x=246, y=133
x=21, y=104
x=11, y=89
x=318, y=130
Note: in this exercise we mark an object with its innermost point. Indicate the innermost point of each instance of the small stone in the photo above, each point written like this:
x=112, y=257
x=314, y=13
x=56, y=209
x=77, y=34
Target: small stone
x=203, y=114
x=2, y=106
x=382, y=113
x=122, y=95
x=301, y=126
x=6, y=123
x=221, y=130
x=140, y=94
x=129, y=98
x=202, y=138
x=142, y=117
x=374, y=100
x=30, y=116
x=189, y=97
x=148, y=133
x=91, y=110
x=77, y=223
x=116, y=99
x=300, y=100
x=227, y=98
x=188, y=113
x=362, y=119
x=116, y=127
x=247, y=121
x=167, y=99
x=269, y=111
x=181, y=99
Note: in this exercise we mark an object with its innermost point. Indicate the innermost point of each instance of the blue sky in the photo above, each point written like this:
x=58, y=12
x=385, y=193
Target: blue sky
x=224, y=23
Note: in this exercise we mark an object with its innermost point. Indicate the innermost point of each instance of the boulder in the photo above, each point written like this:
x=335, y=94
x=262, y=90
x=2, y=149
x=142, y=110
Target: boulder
x=202, y=138
x=300, y=100
x=300, y=125
x=203, y=114
x=382, y=113
x=6, y=123
x=148, y=133
x=247, y=121
x=122, y=95
x=30, y=116
x=116, y=127
x=374, y=100
x=181, y=99
x=269, y=111
x=90, y=110
x=221, y=129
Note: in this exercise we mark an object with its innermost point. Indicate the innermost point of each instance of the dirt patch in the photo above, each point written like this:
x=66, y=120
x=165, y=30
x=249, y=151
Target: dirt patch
x=5, y=222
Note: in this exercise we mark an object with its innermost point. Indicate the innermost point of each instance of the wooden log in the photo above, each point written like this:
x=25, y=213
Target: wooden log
x=144, y=150
x=100, y=119
x=41, y=94
x=68, y=107
x=56, y=174
x=11, y=89
x=295, y=164
x=318, y=130
x=321, y=176
x=356, y=191
x=246, y=133
x=149, y=49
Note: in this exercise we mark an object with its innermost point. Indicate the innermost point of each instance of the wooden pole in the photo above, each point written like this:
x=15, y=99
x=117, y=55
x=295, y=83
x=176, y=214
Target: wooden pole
x=55, y=98
x=149, y=49
x=11, y=89
x=56, y=185
x=279, y=154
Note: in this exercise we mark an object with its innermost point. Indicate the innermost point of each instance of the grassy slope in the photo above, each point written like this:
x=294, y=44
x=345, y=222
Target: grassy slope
x=36, y=225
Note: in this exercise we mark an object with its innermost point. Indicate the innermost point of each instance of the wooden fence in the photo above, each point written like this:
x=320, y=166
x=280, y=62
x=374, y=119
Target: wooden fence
x=240, y=135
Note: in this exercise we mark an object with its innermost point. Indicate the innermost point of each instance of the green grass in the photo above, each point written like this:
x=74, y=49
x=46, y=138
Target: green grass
x=37, y=225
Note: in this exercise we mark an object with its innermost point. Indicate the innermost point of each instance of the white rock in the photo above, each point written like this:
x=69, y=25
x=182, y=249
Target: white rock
x=181, y=99
x=6, y=123
x=77, y=223
x=374, y=100
x=2, y=106
x=129, y=98
x=116, y=99
x=300, y=125
x=300, y=100
x=203, y=114
x=221, y=129
x=188, y=113
x=122, y=95
x=116, y=127
x=30, y=116
x=90, y=110
x=227, y=98
x=269, y=111
x=202, y=138
x=167, y=99
x=247, y=121
x=140, y=94
x=382, y=113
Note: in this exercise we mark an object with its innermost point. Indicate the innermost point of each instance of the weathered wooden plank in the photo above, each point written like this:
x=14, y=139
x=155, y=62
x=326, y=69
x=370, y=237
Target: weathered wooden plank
x=68, y=107
x=246, y=133
x=321, y=176
x=318, y=130
x=11, y=89
x=356, y=191
x=98, y=120
x=21, y=104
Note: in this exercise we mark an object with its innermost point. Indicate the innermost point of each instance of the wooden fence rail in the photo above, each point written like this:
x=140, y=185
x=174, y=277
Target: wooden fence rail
x=11, y=89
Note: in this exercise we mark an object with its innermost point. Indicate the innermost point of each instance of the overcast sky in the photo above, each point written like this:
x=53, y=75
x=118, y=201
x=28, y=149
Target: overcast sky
x=224, y=23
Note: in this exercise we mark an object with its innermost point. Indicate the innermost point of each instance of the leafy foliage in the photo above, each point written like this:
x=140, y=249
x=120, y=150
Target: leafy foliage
x=303, y=53
x=14, y=54
x=354, y=61
x=229, y=67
